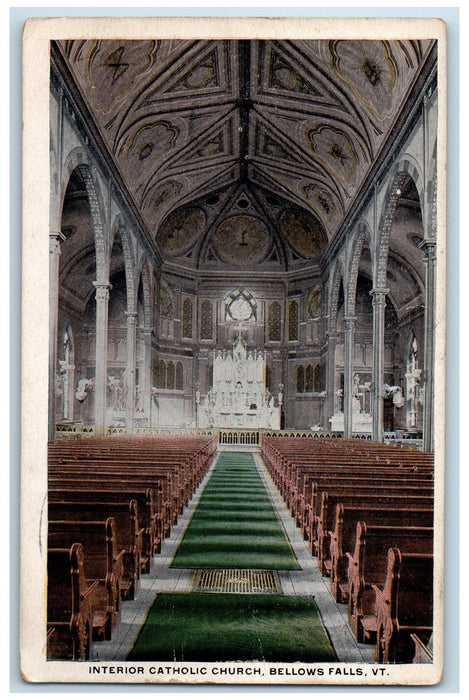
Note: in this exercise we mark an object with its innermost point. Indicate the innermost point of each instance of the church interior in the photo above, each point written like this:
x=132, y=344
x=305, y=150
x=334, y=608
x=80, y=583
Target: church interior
x=241, y=340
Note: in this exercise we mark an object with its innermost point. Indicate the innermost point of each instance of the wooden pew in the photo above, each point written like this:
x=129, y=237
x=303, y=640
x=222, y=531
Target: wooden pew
x=322, y=520
x=333, y=479
x=403, y=606
x=309, y=508
x=128, y=536
x=147, y=510
x=368, y=568
x=164, y=478
x=104, y=566
x=343, y=535
x=165, y=513
x=69, y=605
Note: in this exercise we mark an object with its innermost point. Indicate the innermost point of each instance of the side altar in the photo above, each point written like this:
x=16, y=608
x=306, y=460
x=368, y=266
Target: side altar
x=239, y=397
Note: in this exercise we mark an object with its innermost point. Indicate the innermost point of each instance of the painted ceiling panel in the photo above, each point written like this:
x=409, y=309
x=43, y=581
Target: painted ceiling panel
x=299, y=120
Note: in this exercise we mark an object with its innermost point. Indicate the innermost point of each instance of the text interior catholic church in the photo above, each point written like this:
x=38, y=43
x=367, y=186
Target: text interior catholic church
x=265, y=206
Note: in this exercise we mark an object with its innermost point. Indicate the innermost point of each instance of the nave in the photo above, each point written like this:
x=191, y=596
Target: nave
x=304, y=581
x=344, y=525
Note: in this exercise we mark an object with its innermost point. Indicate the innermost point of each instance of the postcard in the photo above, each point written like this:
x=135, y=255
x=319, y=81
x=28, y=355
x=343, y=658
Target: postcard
x=233, y=351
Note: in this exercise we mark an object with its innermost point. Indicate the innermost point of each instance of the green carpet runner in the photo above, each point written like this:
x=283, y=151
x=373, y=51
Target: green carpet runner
x=234, y=532
x=234, y=524
x=229, y=627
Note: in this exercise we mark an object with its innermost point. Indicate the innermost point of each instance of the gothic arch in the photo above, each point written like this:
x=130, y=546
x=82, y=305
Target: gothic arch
x=336, y=276
x=407, y=166
x=362, y=234
x=143, y=276
x=119, y=229
x=78, y=161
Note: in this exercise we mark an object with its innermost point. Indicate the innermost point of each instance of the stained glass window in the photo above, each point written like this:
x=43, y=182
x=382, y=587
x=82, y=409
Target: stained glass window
x=187, y=318
x=179, y=376
x=170, y=375
x=300, y=379
x=293, y=320
x=206, y=320
x=274, y=322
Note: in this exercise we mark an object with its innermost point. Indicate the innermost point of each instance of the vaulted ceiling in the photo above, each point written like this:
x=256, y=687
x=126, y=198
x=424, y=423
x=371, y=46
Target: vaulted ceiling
x=244, y=152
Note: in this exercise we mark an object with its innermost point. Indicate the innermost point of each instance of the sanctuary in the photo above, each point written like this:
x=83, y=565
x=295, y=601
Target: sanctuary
x=282, y=192
x=239, y=396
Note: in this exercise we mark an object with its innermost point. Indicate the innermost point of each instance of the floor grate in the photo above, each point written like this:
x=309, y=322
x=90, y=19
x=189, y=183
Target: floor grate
x=235, y=581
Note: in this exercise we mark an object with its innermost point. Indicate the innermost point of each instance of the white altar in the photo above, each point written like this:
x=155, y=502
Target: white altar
x=238, y=397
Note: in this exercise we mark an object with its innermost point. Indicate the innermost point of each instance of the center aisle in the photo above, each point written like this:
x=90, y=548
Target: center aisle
x=234, y=524
x=233, y=484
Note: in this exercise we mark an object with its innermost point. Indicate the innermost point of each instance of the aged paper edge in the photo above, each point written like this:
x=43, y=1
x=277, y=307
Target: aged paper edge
x=35, y=312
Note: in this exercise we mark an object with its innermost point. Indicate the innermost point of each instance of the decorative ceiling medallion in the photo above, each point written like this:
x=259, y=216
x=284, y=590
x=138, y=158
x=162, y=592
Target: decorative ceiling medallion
x=203, y=74
x=111, y=68
x=272, y=148
x=321, y=197
x=242, y=239
x=369, y=69
x=163, y=193
x=303, y=232
x=153, y=138
x=181, y=229
x=240, y=306
x=285, y=77
x=335, y=149
x=212, y=147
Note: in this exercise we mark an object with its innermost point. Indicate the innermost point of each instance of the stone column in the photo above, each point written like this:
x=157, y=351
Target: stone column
x=131, y=340
x=100, y=381
x=377, y=405
x=55, y=239
x=147, y=383
x=429, y=249
x=329, y=404
x=349, y=327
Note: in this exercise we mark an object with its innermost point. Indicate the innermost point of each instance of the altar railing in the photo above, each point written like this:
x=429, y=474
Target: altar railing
x=234, y=436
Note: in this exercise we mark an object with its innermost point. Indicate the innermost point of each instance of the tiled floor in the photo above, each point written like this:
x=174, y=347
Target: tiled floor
x=304, y=582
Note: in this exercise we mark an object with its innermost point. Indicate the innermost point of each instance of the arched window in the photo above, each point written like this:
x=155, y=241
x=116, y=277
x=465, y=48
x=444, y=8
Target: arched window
x=187, y=318
x=179, y=376
x=206, y=320
x=319, y=378
x=274, y=322
x=160, y=374
x=309, y=378
x=293, y=320
x=300, y=379
x=170, y=375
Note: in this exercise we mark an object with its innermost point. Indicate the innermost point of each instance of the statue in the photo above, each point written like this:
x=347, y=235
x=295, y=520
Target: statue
x=396, y=393
x=138, y=399
x=84, y=385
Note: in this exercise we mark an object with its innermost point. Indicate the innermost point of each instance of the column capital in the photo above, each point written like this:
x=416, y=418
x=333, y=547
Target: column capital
x=55, y=240
x=102, y=290
x=349, y=322
x=428, y=246
x=57, y=235
x=378, y=297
